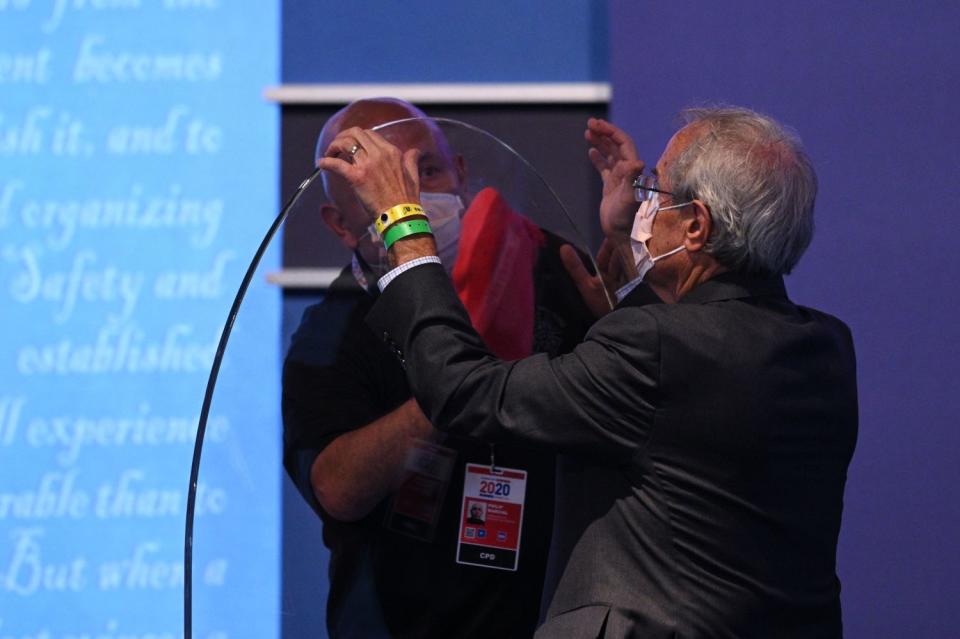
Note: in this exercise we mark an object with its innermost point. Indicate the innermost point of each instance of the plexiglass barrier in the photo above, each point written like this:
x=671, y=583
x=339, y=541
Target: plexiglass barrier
x=499, y=229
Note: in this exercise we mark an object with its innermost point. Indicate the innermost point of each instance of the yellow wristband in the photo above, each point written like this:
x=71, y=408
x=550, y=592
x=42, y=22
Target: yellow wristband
x=396, y=213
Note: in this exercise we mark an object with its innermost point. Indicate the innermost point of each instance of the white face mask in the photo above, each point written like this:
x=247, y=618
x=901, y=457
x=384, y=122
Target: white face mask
x=374, y=253
x=444, y=211
x=642, y=232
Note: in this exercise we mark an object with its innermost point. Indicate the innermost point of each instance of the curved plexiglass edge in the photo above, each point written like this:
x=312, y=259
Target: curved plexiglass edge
x=533, y=196
x=208, y=399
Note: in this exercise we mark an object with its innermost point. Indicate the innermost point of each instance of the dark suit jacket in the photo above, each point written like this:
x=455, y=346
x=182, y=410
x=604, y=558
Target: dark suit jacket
x=706, y=448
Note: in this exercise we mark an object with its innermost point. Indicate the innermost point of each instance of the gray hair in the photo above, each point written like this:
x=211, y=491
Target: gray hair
x=758, y=183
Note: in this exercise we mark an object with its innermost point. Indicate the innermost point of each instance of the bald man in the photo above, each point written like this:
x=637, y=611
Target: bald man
x=388, y=487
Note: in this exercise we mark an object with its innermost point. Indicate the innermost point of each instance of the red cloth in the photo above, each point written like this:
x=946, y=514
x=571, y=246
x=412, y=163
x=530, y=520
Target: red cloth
x=493, y=274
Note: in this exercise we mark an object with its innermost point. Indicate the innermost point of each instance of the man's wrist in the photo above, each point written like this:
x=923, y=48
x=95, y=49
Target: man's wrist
x=410, y=248
x=397, y=213
x=406, y=228
x=417, y=424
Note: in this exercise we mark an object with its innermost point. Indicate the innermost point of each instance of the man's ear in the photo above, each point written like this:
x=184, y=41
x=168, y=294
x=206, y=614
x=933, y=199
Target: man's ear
x=334, y=219
x=697, y=228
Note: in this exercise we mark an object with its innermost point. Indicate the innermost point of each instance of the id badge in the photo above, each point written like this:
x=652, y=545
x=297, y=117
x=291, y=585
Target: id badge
x=416, y=505
x=491, y=517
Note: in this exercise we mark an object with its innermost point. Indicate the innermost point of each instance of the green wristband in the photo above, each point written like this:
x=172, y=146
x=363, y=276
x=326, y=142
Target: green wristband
x=403, y=229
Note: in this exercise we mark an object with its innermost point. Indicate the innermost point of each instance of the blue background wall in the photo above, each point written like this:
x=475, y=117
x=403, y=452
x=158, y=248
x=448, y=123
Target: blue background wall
x=138, y=169
x=872, y=89
x=391, y=41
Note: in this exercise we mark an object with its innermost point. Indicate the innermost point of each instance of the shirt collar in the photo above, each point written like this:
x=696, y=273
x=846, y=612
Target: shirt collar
x=638, y=294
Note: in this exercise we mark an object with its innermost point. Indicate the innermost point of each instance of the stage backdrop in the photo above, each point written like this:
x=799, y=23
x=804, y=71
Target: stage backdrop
x=138, y=166
x=431, y=41
x=872, y=89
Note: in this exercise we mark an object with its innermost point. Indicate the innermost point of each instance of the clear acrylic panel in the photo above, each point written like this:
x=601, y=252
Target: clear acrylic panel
x=508, y=227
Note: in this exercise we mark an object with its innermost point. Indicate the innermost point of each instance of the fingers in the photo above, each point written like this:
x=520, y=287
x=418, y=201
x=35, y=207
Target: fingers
x=581, y=277
x=339, y=156
x=354, y=141
x=599, y=162
x=609, y=264
x=610, y=139
x=589, y=286
x=377, y=171
x=628, y=169
x=607, y=147
x=605, y=161
x=574, y=265
x=602, y=128
x=372, y=141
x=342, y=146
x=337, y=166
x=411, y=163
x=614, y=272
x=604, y=255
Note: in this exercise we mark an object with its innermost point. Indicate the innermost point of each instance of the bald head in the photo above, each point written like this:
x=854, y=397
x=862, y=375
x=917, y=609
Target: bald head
x=440, y=170
x=364, y=114
x=443, y=171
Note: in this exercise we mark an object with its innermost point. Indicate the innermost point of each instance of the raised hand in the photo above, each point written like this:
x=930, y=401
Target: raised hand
x=379, y=173
x=614, y=155
x=613, y=272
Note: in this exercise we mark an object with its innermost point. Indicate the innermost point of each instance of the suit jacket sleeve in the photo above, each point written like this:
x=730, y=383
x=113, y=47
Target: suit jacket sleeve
x=596, y=400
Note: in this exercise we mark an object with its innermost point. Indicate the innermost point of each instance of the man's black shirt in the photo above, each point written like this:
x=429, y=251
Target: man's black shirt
x=339, y=376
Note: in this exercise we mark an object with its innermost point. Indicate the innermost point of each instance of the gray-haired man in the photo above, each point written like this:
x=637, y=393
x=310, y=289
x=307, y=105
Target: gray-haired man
x=707, y=439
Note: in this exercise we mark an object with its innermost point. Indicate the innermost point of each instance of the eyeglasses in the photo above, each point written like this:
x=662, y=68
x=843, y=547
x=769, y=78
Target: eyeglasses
x=645, y=186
